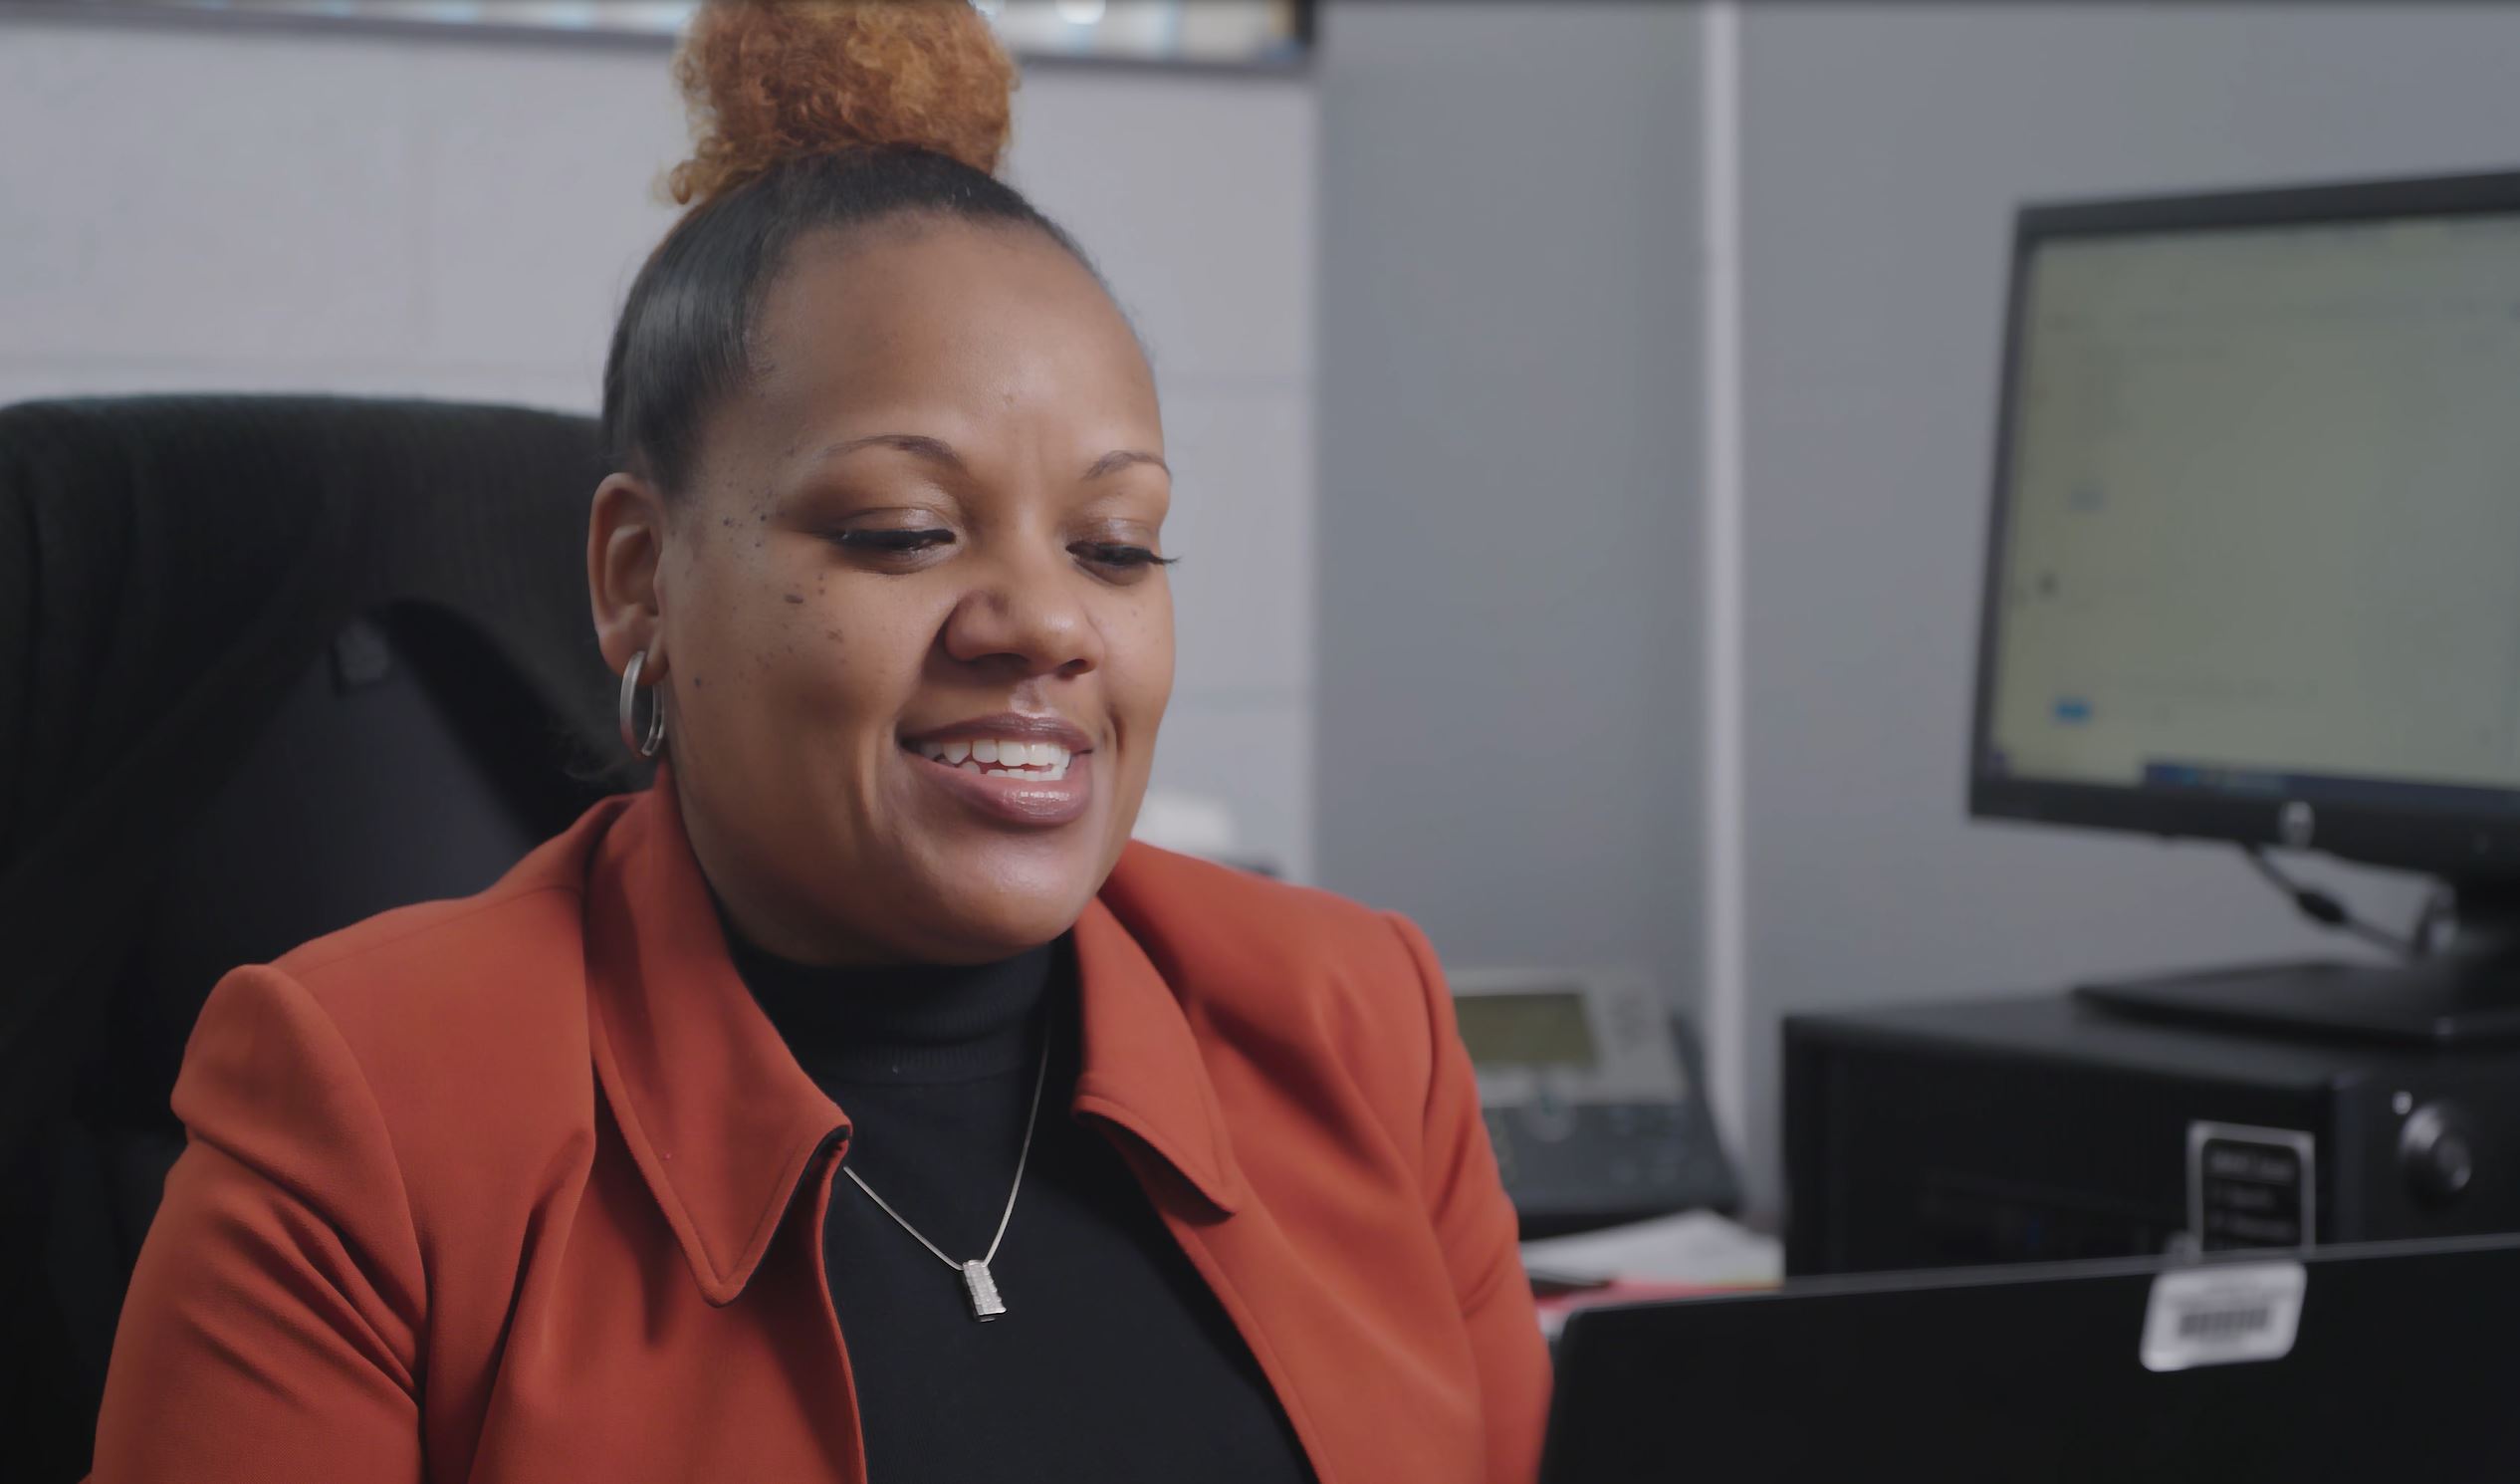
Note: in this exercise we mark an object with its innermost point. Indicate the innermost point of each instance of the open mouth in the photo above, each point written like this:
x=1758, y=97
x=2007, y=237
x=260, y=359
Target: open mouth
x=1006, y=756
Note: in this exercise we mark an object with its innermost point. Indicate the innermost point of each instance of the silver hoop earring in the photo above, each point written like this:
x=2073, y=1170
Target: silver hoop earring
x=644, y=741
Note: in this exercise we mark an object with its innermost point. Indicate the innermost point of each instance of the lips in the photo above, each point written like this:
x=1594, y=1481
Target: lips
x=1009, y=768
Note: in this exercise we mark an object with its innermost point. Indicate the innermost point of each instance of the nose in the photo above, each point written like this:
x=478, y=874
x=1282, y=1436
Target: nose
x=1025, y=613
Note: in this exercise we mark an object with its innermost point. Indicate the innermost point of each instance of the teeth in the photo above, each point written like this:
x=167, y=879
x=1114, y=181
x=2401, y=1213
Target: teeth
x=1040, y=760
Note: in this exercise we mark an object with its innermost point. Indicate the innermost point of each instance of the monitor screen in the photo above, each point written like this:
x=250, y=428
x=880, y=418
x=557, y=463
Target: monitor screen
x=2259, y=514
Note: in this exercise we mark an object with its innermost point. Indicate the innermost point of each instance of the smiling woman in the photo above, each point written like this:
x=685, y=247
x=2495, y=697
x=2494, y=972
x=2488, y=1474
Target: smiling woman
x=951, y=455
x=641, y=1165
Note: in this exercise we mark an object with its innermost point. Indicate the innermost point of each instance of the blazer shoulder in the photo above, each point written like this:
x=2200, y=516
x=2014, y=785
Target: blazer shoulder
x=488, y=990
x=1267, y=972
x=1207, y=913
x=424, y=1071
x=428, y=950
x=1239, y=948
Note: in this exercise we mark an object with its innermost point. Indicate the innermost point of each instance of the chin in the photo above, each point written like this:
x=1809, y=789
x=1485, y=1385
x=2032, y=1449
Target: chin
x=968, y=941
x=975, y=926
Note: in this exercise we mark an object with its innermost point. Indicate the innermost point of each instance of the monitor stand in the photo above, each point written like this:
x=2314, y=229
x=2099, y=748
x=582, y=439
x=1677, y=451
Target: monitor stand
x=2467, y=995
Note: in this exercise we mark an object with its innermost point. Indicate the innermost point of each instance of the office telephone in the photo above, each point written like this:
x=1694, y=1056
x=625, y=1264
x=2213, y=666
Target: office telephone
x=1588, y=1087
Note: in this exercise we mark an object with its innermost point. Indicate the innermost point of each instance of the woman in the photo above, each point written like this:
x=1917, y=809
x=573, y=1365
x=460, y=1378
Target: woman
x=711, y=1144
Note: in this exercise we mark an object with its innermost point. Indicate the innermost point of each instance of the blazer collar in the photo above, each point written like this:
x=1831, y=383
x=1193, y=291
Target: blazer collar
x=1142, y=1069
x=722, y=1122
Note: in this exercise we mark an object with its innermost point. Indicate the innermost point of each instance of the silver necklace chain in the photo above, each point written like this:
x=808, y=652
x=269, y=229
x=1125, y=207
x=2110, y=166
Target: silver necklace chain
x=977, y=1278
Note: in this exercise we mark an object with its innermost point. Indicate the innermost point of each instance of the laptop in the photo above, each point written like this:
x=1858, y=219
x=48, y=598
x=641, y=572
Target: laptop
x=2394, y=1362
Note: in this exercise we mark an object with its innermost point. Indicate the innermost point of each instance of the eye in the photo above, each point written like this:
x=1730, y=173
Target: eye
x=893, y=543
x=1119, y=556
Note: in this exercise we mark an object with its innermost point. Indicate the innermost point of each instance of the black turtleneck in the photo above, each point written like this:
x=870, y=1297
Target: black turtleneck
x=1114, y=1361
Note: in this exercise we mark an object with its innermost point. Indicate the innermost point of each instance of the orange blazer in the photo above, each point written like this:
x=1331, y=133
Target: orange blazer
x=524, y=1187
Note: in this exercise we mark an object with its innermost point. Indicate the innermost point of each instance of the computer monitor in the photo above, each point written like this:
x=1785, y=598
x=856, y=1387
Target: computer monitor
x=2253, y=570
x=2383, y=1361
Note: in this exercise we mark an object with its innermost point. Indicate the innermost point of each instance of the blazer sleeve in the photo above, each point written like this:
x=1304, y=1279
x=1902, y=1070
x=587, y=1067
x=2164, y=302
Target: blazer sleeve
x=1476, y=1224
x=271, y=1327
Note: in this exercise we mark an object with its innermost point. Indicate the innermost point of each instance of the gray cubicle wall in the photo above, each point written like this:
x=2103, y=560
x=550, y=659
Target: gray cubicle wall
x=1507, y=746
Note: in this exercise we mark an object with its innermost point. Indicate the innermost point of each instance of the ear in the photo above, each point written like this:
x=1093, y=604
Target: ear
x=625, y=548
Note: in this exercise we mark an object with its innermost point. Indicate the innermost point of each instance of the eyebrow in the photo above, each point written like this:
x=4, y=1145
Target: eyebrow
x=934, y=450
x=1121, y=458
x=938, y=451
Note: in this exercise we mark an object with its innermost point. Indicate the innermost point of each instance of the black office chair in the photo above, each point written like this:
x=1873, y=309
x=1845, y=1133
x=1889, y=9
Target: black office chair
x=268, y=666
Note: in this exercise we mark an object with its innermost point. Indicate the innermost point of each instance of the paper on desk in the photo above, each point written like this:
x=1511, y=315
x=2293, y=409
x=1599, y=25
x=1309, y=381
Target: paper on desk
x=1698, y=1247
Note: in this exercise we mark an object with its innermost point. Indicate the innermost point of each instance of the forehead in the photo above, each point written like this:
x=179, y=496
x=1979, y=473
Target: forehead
x=974, y=330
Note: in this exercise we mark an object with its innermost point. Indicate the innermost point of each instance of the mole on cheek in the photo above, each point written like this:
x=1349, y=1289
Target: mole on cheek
x=794, y=596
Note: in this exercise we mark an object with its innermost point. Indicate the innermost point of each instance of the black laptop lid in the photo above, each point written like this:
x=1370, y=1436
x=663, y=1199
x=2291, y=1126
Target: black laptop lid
x=2403, y=1364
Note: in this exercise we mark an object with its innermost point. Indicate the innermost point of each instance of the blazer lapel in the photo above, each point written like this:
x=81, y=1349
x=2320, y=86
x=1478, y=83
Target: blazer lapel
x=719, y=1118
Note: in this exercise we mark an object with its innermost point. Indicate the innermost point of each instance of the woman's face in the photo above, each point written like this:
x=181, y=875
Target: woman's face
x=913, y=646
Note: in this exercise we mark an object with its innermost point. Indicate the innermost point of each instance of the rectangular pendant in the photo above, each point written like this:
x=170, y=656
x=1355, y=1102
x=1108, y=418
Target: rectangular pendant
x=985, y=1303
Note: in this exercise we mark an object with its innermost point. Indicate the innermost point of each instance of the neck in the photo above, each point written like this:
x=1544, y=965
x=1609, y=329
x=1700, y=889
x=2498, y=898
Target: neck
x=904, y=1023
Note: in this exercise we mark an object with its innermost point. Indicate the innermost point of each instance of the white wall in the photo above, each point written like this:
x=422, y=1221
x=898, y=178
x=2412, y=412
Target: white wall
x=1883, y=148
x=185, y=206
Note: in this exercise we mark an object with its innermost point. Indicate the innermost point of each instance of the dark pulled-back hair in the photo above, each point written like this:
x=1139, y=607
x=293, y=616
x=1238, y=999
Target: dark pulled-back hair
x=809, y=117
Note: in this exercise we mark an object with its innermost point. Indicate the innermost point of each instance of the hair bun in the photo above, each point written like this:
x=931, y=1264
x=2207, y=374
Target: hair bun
x=766, y=81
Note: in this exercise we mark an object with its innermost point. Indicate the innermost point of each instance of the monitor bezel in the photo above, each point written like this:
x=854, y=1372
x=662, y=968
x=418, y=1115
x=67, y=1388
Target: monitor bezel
x=2438, y=843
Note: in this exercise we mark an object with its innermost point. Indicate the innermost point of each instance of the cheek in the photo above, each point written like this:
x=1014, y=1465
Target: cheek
x=1141, y=662
x=707, y=625
x=765, y=636
x=846, y=654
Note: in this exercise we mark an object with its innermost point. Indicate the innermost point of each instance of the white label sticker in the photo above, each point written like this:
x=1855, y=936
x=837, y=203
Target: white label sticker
x=2223, y=1314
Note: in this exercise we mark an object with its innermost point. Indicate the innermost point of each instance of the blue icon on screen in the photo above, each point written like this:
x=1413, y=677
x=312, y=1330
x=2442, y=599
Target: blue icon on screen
x=2072, y=709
